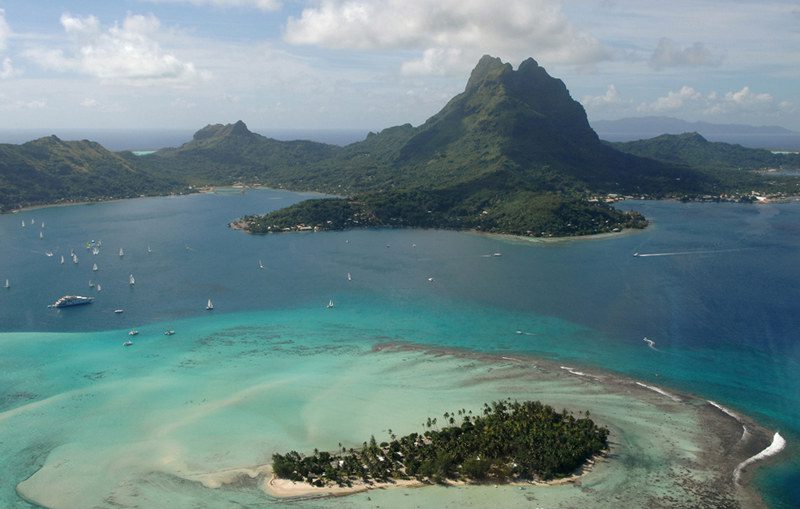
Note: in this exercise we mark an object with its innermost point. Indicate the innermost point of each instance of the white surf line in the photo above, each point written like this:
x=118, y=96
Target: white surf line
x=745, y=431
x=777, y=445
x=573, y=371
x=660, y=391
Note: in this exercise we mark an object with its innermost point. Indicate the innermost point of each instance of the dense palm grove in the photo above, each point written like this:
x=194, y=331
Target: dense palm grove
x=520, y=213
x=511, y=441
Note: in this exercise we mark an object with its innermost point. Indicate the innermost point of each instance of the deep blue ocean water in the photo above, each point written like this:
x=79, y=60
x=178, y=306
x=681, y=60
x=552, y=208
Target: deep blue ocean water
x=716, y=286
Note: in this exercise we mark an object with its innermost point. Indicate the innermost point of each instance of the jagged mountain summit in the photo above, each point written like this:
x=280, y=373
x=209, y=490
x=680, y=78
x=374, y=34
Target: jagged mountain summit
x=512, y=153
x=518, y=127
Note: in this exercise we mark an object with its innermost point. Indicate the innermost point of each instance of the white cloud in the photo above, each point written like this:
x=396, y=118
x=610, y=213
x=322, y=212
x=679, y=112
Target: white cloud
x=746, y=97
x=434, y=61
x=182, y=103
x=5, y=30
x=673, y=100
x=688, y=101
x=452, y=34
x=128, y=53
x=667, y=54
x=89, y=103
x=264, y=5
x=7, y=69
x=611, y=97
x=35, y=104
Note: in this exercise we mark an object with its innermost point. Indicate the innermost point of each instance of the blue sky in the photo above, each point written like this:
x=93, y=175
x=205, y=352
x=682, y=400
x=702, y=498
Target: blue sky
x=369, y=64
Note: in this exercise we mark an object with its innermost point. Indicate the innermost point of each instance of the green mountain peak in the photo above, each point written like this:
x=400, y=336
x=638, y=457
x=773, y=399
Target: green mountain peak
x=222, y=131
x=488, y=67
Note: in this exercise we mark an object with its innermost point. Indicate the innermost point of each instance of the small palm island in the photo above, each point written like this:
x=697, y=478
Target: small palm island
x=511, y=442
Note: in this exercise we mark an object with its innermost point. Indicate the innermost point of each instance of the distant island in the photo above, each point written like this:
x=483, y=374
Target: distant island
x=511, y=442
x=650, y=126
x=751, y=136
x=513, y=153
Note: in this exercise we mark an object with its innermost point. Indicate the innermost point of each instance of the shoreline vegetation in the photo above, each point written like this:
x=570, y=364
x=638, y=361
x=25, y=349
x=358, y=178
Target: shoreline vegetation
x=531, y=215
x=510, y=442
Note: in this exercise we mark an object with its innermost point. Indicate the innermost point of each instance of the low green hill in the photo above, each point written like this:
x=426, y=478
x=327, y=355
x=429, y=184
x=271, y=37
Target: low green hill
x=49, y=170
x=692, y=149
x=223, y=154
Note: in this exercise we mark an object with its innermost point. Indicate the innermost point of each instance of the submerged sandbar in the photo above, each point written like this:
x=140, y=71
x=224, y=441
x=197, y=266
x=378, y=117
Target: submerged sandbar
x=213, y=442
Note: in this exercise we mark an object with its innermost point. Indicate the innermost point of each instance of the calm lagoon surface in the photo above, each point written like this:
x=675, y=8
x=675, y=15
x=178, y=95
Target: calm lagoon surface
x=84, y=420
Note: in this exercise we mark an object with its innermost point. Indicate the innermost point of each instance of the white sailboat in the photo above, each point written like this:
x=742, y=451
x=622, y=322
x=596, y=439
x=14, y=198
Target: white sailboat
x=210, y=305
x=48, y=254
x=330, y=304
x=62, y=260
x=74, y=258
x=23, y=223
x=41, y=235
x=91, y=284
x=94, y=267
x=8, y=284
x=349, y=277
x=260, y=265
x=99, y=288
x=131, y=281
x=42, y=224
x=149, y=250
x=121, y=252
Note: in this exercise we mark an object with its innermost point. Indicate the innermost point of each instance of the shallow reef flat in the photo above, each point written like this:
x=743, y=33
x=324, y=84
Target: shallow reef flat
x=193, y=421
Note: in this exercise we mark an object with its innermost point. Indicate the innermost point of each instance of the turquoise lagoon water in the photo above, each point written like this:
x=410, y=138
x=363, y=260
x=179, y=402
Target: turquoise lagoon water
x=718, y=292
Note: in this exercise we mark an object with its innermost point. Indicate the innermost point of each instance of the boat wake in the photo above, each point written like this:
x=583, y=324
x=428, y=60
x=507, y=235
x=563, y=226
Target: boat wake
x=777, y=445
x=523, y=333
x=650, y=343
x=659, y=390
x=683, y=253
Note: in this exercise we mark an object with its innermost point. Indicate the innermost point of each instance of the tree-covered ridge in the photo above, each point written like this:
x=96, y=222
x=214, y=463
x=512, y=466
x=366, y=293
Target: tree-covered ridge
x=693, y=150
x=224, y=154
x=510, y=442
x=49, y=170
